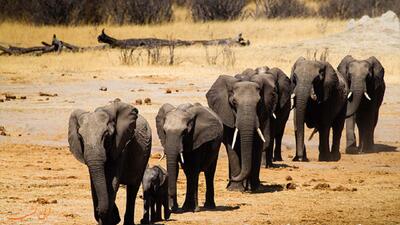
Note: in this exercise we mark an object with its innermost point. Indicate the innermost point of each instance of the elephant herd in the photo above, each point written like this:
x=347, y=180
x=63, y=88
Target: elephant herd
x=247, y=113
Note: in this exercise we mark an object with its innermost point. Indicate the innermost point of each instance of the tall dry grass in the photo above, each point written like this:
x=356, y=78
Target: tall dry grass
x=273, y=43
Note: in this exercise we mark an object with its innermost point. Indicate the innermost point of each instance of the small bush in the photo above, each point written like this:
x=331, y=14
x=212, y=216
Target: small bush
x=284, y=8
x=345, y=9
x=205, y=10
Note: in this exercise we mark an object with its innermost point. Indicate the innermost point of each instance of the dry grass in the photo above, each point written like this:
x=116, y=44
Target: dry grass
x=272, y=44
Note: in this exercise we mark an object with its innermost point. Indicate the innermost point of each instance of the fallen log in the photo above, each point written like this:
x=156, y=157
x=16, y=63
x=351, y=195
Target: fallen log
x=55, y=46
x=156, y=42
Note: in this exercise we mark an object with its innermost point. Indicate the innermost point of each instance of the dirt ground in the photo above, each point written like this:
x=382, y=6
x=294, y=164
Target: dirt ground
x=41, y=182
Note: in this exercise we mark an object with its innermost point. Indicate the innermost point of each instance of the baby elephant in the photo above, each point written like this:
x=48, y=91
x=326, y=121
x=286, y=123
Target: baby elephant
x=155, y=194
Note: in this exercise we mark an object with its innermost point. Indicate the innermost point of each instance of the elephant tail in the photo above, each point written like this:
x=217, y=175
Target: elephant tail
x=312, y=134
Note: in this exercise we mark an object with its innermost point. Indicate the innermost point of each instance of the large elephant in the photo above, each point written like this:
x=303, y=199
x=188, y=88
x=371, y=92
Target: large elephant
x=114, y=142
x=367, y=88
x=245, y=104
x=320, y=102
x=281, y=114
x=190, y=134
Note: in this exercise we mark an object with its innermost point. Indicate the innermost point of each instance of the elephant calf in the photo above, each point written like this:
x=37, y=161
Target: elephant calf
x=367, y=88
x=190, y=134
x=155, y=194
x=114, y=142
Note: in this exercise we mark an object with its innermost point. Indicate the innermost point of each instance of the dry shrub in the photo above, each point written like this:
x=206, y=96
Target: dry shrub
x=155, y=55
x=284, y=8
x=205, y=10
x=66, y=12
x=220, y=55
x=357, y=8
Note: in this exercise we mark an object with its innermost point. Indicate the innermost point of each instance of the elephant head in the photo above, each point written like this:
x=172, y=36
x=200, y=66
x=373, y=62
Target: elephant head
x=312, y=83
x=100, y=136
x=154, y=178
x=244, y=103
x=184, y=128
x=363, y=78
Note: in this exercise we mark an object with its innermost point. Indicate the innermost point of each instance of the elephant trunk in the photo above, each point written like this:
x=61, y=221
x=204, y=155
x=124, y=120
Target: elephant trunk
x=299, y=118
x=246, y=125
x=358, y=88
x=98, y=178
x=172, y=167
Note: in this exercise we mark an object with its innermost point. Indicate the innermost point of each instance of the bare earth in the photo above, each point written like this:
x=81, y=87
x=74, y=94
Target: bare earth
x=41, y=183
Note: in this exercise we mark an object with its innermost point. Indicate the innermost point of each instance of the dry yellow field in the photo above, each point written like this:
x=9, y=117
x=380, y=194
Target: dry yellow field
x=41, y=183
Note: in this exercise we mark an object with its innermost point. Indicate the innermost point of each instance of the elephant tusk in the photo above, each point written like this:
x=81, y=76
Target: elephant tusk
x=349, y=95
x=292, y=101
x=260, y=134
x=181, y=154
x=367, y=96
x=314, y=97
x=273, y=115
x=312, y=134
x=234, y=137
x=162, y=157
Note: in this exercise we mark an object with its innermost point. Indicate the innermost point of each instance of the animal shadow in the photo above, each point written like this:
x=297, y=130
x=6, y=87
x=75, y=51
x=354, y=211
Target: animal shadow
x=268, y=188
x=375, y=149
x=221, y=208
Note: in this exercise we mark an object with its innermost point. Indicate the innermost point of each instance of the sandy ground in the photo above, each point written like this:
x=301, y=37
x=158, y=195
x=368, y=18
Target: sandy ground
x=41, y=183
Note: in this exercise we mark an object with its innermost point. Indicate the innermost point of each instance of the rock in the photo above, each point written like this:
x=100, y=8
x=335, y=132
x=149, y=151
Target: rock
x=176, y=90
x=291, y=186
x=140, y=89
x=289, y=178
x=147, y=101
x=43, y=201
x=23, y=97
x=94, y=77
x=10, y=96
x=103, y=88
x=322, y=186
x=3, y=131
x=47, y=94
x=138, y=102
x=168, y=91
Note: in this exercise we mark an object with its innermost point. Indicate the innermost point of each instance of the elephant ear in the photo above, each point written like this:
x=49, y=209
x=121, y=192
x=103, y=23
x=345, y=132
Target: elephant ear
x=74, y=139
x=331, y=80
x=344, y=66
x=160, y=120
x=218, y=99
x=207, y=125
x=269, y=91
x=283, y=86
x=162, y=175
x=124, y=117
x=246, y=74
x=377, y=70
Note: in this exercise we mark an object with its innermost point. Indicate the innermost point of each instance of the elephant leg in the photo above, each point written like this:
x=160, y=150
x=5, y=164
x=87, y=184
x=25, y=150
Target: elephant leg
x=131, y=192
x=167, y=212
x=324, y=153
x=351, y=145
x=296, y=158
x=153, y=210
x=209, y=175
x=278, y=145
x=256, y=166
x=233, y=157
x=146, y=209
x=269, y=154
x=191, y=203
x=158, y=210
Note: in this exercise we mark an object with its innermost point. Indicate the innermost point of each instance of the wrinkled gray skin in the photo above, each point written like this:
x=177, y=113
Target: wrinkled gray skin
x=245, y=102
x=114, y=142
x=320, y=102
x=363, y=76
x=155, y=194
x=196, y=132
x=282, y=111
